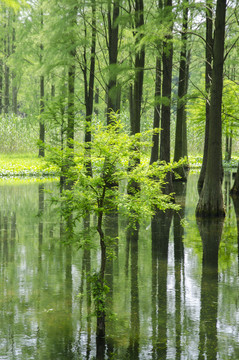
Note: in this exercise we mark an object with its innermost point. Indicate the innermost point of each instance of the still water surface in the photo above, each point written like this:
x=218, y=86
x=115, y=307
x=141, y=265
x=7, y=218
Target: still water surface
x=174, y=290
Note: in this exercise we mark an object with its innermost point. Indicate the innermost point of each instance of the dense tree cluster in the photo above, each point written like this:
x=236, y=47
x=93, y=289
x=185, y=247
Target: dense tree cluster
x=160, y=64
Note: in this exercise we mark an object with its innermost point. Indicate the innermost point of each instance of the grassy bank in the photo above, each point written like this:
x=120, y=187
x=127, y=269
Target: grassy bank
x=24, y=164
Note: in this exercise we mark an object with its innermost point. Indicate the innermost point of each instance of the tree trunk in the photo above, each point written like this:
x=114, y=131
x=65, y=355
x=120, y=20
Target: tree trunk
x=208, y=79
x=155, y=139
x=235, y=189
x=42, y=125
x=89, y=89
x=211, y=199
x=6, y=68
x=14, y=85
x=42, y=103
x=166, y=93
x=113, y=34
x=181, y=102
x=139, y=69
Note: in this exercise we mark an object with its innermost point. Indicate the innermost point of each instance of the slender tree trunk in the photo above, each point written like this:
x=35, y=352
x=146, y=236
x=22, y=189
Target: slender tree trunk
x=14, y=85
x=89, y=89
x=208, y=79
x=166, y=93
x=42, y=103
x=155, y=139
x=6, y=68
x=42, y=125
x=71, y=105
x=139, y=69
x=211, y=198
x=181, y=102
x=113, y=38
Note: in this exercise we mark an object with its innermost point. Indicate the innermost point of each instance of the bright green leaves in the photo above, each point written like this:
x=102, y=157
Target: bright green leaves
x=112, y=150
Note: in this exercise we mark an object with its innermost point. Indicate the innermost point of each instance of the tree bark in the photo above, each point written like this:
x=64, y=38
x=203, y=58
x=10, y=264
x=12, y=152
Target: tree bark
x=166, y=93
x=157, y=108
x=211, y=198
x=42, y=103
x=89, y=88
x=14, y=85
x=181, y=102
x=113, y=38
x=208, y=79
x=139, y=69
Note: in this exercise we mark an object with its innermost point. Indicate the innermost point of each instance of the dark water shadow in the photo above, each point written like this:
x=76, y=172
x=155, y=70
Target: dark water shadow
x=134, y=335
x=160, y=226
x=210, y=232
x=180, y=189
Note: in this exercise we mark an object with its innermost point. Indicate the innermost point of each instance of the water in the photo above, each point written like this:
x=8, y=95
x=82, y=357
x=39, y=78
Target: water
x=174, y=290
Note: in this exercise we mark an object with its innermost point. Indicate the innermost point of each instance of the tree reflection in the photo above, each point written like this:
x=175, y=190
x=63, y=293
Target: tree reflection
x=210, y=231
x=160, y=225
x=235, y=200
x=133, y=349
x=180, y=196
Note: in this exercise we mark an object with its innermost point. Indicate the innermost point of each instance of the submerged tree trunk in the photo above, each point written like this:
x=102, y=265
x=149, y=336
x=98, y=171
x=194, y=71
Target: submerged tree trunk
x=211, y=198
x=208, y=79
x=181, y=102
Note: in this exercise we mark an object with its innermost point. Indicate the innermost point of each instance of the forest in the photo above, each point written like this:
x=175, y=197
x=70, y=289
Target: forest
x=122, y=104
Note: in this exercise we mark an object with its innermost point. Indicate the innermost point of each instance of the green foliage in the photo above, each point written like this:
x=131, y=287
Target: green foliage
x=99, y=292
x=16, y=134
x=230, y=109
x=112, y=150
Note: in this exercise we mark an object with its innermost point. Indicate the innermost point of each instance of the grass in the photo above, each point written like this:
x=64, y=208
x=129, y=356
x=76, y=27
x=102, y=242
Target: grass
x=24, y=164
x=30, y=165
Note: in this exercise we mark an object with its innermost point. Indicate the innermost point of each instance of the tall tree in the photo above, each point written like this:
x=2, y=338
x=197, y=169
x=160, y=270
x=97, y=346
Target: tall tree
x=208, y=79
x=42, y=93
x=167, y=61
x=211, y=198
x=180, y=133
x=138, y=66
x=71, y=76
x=113, y=39
x=89, y=80
x=157, y=96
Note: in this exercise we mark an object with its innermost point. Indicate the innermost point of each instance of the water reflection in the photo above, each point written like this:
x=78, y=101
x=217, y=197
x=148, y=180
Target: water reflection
x=211, y=232
x=173, y=289
x=178, y=231
x=160, y=225
x=133, y=348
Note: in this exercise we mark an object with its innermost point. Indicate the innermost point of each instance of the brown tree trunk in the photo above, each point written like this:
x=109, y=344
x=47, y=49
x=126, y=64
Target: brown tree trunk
x=113, y=37
x=6, y=68
x=14, y=85
x=139, y=69
x=155, y=139
x=89, y=88
x=208, y=79
x=181, y=102
x=42, y=103
x=166, y=93
x=211, y=198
